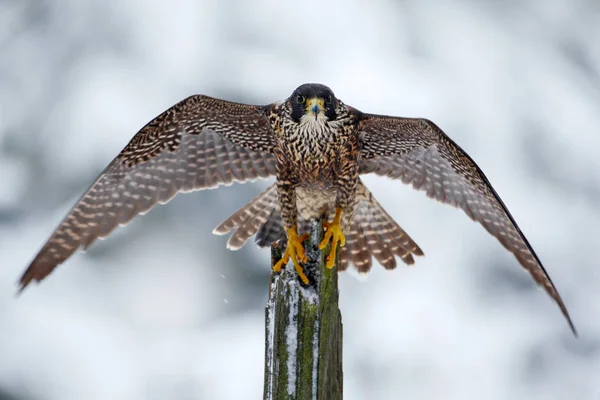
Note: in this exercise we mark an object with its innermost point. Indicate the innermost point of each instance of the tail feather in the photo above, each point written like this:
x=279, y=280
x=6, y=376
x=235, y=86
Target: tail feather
x=370, y=232
x=244, y=232
x=394, y=236
x=355, y=252
x=384, y=237
x=375, y=242
x=272, y=230
x=249, y=219
x=361, y=254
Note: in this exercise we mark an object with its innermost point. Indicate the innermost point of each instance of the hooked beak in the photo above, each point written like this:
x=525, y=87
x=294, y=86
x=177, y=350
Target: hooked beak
x=315, y=106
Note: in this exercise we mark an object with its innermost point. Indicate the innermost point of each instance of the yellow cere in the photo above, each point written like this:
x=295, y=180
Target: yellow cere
x=310, y=103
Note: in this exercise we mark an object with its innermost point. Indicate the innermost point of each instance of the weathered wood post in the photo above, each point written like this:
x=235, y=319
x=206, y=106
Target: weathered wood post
x=303, y=347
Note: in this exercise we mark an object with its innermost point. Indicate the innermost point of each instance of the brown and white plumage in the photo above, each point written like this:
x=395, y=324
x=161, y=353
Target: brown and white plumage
x=197, y=144
x=262, y=212
x=371, y=232
x=417, y=152
x=317, y=147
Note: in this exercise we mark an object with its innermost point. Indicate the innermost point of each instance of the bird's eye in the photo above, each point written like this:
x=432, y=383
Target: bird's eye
x=300, y=99
x=328, y=100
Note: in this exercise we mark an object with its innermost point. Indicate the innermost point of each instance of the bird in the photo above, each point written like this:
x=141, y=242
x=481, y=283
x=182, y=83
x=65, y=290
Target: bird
x=317, y=148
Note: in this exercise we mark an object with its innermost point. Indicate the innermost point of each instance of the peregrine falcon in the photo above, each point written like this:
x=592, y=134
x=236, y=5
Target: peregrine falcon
x=316, y=147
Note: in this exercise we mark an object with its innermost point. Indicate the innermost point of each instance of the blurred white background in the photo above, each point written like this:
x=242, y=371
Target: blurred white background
x=161, y=310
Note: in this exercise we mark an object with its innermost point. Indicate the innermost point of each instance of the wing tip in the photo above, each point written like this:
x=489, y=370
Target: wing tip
x=573, y=329
x=20, y=288
x=25, y=279
x=417, y=251
x=570, y=322
x=565, y=313
x=38, y=269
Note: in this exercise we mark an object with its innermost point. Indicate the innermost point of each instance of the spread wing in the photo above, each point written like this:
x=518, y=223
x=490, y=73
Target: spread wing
x=199, y=143
x=417, y=152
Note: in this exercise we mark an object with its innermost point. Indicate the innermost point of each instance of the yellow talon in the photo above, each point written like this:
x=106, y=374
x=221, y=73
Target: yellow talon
x=335, y=234
x=295, y=251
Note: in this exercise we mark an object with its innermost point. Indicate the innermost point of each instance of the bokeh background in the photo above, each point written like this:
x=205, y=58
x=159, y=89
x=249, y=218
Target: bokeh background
x=161, y=310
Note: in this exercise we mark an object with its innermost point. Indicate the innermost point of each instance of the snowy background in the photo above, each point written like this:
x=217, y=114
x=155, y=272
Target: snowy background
x=161, y=310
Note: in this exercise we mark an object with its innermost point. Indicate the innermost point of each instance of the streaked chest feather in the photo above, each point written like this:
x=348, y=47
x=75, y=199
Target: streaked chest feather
x=313, y=139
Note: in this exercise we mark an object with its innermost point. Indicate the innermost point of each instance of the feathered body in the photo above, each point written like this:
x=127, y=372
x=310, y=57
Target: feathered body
x=316, y=147
x=317, y=160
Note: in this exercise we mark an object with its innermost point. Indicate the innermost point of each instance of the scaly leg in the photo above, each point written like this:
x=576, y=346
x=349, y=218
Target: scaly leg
x=335, y=234
x=295, y=251
x=287, y=201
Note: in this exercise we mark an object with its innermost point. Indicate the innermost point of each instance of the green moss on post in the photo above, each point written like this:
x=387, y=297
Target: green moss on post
x=303, y=347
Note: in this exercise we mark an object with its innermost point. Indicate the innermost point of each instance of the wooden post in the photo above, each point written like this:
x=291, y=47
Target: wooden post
x=303, y=346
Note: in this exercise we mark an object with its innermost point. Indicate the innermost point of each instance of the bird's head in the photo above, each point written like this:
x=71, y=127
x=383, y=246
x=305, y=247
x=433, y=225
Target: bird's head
x=313, y=101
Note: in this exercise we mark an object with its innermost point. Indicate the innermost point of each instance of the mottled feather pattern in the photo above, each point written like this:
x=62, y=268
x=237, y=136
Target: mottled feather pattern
x=417, y=152
x=317, y=156
x=317, y=147
x=186, y=148
x=249, y=219
x=244, y=125
x=370, y=231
